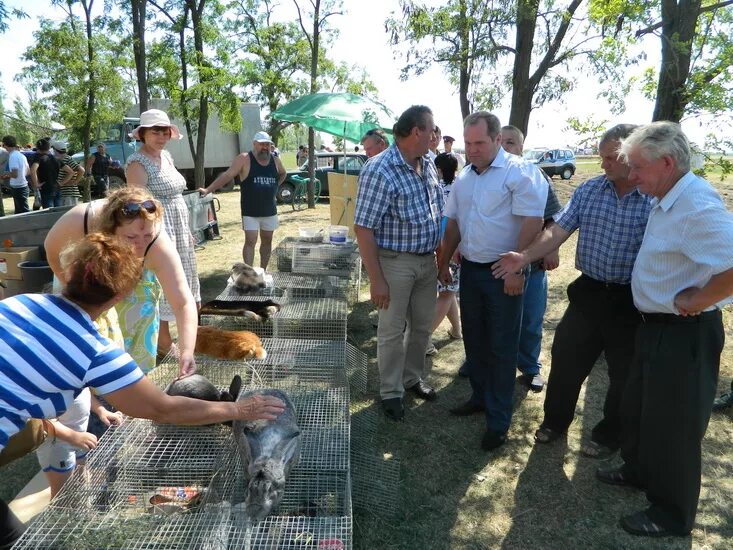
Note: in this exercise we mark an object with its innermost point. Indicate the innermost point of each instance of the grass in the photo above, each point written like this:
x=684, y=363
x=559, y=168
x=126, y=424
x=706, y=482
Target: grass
x=453, y=495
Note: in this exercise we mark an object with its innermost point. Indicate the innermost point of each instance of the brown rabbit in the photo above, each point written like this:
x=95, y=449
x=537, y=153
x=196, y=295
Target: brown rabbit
x=229, y=344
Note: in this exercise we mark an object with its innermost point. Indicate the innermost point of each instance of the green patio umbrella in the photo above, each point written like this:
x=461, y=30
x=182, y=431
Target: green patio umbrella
x=347, y=115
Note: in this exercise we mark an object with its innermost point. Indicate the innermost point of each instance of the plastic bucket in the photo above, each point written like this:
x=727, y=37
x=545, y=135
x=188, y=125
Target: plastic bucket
x=36, y=275
x=337, y=234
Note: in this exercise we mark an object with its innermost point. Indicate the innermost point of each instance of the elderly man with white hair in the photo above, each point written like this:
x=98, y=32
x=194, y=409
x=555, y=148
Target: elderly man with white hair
x=682, y=277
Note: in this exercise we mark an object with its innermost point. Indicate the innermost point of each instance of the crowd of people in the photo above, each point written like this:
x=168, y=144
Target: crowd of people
x=441, y=236
x=655, y=255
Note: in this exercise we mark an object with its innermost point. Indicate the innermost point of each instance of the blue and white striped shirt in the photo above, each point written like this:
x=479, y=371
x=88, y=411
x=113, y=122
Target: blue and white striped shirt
x=402, y=208
x=49, y=351
x=611, y=229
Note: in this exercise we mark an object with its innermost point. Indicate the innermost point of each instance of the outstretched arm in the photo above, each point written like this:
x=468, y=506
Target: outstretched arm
x=238, y=165
x=547, y=241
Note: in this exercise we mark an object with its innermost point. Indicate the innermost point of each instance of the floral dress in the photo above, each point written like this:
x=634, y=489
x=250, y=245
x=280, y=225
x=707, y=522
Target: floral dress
x=166, y=184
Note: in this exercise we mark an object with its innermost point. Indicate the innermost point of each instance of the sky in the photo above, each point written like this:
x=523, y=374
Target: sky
x=363, y=41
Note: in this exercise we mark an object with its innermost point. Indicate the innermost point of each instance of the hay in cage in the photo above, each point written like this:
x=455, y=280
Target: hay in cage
x=291, y=533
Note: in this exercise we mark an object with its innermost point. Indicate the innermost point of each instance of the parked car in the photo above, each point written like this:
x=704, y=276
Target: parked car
x=555, y=162
x=325, y=163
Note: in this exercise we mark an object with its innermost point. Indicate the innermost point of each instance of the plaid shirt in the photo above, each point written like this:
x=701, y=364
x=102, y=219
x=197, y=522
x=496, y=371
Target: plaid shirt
x=401, y=207
x=611, y=229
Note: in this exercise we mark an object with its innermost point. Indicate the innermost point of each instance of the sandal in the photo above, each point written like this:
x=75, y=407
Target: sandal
x=593, y=449
x=616, y=476
x=640, y=524
x=546, y=435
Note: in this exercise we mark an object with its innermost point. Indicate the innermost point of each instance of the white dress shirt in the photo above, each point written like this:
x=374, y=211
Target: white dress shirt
x=688, y=239
x=489, y=207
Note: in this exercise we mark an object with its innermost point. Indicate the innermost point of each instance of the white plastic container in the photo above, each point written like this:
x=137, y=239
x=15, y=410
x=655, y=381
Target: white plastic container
x=338, y=234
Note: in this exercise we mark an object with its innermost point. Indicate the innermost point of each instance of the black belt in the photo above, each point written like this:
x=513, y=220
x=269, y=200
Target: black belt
x=603, y=284
x=411, y=253
x=477, y=264
x=670, y=318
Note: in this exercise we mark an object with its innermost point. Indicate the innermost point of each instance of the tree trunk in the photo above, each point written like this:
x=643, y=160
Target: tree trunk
x=314, y=76
x=138, y=45
x=679, y=20
x=522, y=90
x=87, y=128
x=198, y=40
x=464, y=76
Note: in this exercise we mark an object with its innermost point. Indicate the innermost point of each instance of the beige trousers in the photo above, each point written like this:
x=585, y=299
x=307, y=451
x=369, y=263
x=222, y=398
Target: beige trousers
x=404, y=327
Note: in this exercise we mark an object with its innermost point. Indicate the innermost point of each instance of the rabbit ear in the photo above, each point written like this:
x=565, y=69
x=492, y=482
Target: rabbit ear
x=235, y=387
x=287, y=449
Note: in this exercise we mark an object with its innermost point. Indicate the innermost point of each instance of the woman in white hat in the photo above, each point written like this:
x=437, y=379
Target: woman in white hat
x=152, y=167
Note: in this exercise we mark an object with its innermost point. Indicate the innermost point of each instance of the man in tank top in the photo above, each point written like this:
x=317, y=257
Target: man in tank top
x=260, y=174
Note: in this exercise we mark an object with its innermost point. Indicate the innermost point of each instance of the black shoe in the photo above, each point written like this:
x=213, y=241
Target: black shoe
x=423, y=391
x=394, y=409
x=723, y=402
x=533, y=381
x=641, y=525
x=467, y=409
x=492, y=440
x=463, y=371
x=617, y=476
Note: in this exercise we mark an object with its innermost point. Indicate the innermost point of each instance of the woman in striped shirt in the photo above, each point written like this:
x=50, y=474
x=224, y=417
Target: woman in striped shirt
x=50, y=350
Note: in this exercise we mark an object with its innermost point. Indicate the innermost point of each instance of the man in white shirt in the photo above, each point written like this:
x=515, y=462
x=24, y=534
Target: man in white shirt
x=682, y=276
x=16, y=175
x=496, y=204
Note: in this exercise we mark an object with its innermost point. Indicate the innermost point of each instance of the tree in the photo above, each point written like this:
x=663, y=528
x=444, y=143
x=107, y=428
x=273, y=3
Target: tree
x=463, y=35
x=138, y=13
x=205, y=80
x=59, y=74
x=695, y=74
x=589, y=130
x=317, y=20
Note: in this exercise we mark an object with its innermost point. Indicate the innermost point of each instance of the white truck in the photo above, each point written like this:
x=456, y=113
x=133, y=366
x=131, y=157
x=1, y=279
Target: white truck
x=221, y=146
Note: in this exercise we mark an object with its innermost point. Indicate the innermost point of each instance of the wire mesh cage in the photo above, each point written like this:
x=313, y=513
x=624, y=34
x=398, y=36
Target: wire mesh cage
x=311, y=318
x=375, y=482
x=291, y=533
x=293, y=255
x=303, y=285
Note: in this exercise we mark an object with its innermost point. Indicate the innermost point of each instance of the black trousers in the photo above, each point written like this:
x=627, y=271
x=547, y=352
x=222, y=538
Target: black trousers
x=666, y=409
x=11, y=528
x=600, y=318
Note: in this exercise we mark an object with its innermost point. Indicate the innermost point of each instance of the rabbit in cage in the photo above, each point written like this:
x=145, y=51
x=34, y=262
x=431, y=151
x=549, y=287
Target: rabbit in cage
x=229, y=344
x=269, y=449
x=246, y=279
x=255, y=310
x=198, y=386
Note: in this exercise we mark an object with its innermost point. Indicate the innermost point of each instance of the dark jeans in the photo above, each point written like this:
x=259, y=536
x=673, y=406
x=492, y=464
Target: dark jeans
x=491, y=320
x=534, y=304
x=10, y=526
x=666, y=409
x=49, y=200
x=20, y=199
x=599, y=318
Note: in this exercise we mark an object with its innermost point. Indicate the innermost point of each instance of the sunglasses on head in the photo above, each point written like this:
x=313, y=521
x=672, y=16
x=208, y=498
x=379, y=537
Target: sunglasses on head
x=133, y=209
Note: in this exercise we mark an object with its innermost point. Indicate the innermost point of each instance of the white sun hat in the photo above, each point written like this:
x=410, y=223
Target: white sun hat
x=156, y=117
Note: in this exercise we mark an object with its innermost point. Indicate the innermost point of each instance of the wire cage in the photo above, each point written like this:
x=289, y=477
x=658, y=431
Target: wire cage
x=295, y=533
x=315, y=364
x=311, y=318
x=293, y=255
x=303, y=285
x=375, y=482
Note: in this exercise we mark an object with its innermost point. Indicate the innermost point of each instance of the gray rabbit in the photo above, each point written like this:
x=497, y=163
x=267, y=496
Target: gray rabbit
x=246, y=279
x=198, y=386
x=269, y=449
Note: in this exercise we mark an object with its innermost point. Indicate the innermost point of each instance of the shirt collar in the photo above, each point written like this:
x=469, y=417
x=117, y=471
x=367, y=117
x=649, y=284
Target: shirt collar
x=673, y=194
x=398, y=160
x=498, y=162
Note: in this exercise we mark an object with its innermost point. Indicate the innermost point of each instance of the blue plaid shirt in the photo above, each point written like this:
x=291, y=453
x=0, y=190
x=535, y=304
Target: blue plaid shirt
x=401, y=207
x=611, y=229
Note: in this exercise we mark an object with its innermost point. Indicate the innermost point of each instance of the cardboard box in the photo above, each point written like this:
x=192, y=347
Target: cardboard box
x=11, y=257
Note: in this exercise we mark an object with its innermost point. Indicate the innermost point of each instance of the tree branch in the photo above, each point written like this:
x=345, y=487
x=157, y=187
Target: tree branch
x=703, y=9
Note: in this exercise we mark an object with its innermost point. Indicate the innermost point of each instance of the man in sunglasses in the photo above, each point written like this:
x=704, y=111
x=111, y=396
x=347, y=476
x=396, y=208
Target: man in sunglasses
x=374, y=142
x=260, y=174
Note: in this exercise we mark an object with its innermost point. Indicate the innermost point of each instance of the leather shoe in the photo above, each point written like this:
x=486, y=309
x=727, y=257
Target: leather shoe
x=492, y=440
x=617, y=476
x=467, y=409
x=423, y=391
x=394, y=409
